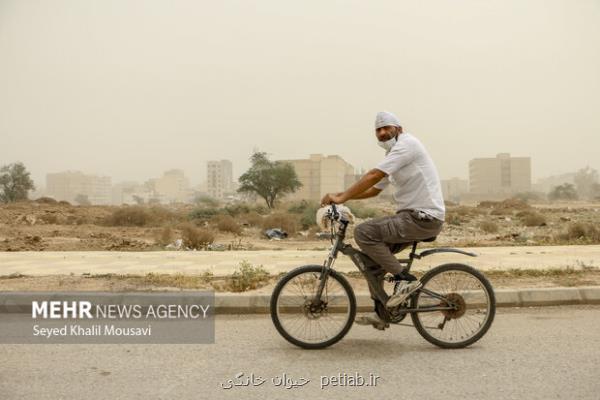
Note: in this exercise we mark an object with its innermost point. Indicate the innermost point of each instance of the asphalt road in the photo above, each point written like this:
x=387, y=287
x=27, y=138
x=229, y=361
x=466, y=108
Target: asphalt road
x=533, y=353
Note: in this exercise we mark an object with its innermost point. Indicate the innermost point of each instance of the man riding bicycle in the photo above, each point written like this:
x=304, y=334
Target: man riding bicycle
x=420, y=206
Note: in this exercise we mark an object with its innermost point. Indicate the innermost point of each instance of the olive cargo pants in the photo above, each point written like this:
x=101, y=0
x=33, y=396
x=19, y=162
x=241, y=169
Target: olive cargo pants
x=381, y=237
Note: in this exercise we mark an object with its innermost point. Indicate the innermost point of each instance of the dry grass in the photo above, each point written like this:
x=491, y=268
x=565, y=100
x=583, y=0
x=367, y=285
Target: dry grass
x=164, y=236
x=581, y=232
x=488, y=227
x=178, y=280
x=129, y=216
x=287, y=222
x=504, y=207
x=196, y=238
x=531, y=218
x=454, y=219
x=251, y=219
x=550, y=272
x=141, y=216
x=248, y=277
x=226, y=223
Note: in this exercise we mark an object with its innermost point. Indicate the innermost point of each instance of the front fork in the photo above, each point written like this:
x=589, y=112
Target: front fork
x=326, y=270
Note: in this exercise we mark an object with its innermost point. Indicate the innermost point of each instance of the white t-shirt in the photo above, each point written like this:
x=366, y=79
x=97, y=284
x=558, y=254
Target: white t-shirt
x=414, y=177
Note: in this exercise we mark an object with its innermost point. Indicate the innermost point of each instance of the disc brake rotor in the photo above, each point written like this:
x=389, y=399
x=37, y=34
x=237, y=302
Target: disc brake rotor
x=314, y=311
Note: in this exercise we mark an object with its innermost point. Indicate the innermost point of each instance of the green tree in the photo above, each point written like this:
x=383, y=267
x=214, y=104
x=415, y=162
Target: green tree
x=15, y=183
x=565, y=191
x=269, y=179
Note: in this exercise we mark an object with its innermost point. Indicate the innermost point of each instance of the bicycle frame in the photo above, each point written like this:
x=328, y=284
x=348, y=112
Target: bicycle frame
x=374, y=273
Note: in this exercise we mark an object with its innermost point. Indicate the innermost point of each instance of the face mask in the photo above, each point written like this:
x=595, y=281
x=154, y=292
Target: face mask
x=388, y=144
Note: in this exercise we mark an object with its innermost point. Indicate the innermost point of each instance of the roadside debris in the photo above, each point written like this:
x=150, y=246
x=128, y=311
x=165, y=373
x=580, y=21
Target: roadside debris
x=276, y=234
x=176, y=245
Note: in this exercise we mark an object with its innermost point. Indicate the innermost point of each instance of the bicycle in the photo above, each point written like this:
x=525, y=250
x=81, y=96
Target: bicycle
x=314, y=306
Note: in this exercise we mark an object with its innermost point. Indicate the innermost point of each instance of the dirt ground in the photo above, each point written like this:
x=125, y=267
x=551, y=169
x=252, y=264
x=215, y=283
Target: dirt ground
x=39, y=226
x=177, y=282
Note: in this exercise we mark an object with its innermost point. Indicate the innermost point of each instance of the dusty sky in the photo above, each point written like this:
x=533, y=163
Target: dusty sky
x=132, y=88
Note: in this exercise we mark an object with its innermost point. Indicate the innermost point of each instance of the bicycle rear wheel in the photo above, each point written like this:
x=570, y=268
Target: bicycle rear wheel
x=304, y=322
x=473, y=296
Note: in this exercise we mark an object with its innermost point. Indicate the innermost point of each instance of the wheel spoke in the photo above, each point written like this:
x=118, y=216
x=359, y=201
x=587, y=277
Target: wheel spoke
x=462, y=288
x=313, y=323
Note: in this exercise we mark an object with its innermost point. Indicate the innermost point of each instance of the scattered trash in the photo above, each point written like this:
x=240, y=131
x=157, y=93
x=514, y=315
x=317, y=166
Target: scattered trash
x=176, y=245
x=216, y=247
x=276, y=233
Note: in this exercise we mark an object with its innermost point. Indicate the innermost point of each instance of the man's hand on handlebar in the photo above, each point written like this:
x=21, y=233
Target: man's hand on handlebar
x=335, y=198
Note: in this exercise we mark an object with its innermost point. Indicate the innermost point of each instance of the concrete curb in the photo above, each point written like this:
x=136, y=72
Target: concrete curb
x=234, y=303
x=246, y=303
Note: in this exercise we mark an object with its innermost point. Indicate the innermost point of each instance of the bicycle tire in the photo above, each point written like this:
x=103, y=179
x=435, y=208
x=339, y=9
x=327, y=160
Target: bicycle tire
x=332, y=275
x=492, y=307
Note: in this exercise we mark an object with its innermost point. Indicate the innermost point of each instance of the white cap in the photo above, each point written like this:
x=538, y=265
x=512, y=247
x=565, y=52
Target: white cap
x=385, y=118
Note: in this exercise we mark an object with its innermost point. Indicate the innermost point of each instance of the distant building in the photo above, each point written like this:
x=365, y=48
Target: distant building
x=499, y=177
x=172, y=187
x=69, y=185
x=219, y=179
x=320, y=175
x=129, y=193
x=454, y=188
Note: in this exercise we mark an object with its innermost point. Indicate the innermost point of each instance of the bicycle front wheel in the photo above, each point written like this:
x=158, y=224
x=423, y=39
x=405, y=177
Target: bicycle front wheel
x=308, y=323
x=474, y=306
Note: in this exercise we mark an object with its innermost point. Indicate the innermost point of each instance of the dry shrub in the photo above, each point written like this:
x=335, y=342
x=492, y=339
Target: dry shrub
x=46, y=200
x=178, y=280
x=204, y=213
x=453, y=219
x=252, y=218
x=226, y=223
x=129, y=216
x=164, y=236
x=161, y=215
x=248, y=277
x=466, y=211
x=287, y=222
x=580, y=231
x=488, y=227
x=531, y=218
x=51, y=219
x=505, y=206
x=462, y=211
x=501, y=211
x=142, y=216
x=196, y=238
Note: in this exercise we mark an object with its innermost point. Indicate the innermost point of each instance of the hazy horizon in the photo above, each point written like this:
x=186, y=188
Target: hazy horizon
x=130, y=89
